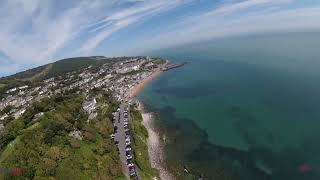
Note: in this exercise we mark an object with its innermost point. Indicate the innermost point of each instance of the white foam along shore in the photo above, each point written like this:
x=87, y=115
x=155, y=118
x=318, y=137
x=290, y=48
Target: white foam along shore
x=155, y=147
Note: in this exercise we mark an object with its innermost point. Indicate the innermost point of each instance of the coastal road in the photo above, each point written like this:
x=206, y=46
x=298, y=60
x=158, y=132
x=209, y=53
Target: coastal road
x=120, y=137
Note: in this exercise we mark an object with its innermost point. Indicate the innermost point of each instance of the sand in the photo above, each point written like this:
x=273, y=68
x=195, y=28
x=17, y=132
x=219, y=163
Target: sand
x=137, y=88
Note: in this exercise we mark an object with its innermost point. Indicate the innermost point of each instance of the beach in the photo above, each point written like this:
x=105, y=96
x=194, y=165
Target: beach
x=137, y=88
x=154, y=144
x=155, y=147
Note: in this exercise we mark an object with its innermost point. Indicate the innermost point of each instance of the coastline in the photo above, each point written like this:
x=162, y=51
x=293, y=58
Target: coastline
x=139, y=87
x=155, y=147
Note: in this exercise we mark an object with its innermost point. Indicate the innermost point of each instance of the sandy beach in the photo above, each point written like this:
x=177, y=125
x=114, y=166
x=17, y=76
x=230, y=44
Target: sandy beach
x=137, y=88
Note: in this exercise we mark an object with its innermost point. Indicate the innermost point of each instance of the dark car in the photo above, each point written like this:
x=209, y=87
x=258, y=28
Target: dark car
x=127, y=133
x=129, y=161
x=132, y=172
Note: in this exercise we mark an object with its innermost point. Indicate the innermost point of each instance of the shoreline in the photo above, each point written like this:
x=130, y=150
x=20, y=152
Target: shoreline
x=133, y=92
x=155, y=147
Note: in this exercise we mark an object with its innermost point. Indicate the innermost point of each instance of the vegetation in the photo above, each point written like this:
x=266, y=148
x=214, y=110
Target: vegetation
x=158, y=61
x=26, y=74
x=57, y=68
x=140, y=135
x=72, y=64
x=43, y=149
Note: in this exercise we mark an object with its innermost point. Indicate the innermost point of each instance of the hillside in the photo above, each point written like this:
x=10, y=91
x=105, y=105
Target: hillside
x=43, y=147
x=55, y=69
x=60, y=67
x=58, y=121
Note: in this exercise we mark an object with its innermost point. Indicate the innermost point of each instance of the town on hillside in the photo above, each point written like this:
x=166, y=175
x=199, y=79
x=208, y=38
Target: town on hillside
x=117, y=77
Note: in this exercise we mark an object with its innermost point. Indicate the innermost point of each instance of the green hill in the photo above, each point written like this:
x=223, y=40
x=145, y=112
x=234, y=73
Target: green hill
x=51, y=70
x=55, y=69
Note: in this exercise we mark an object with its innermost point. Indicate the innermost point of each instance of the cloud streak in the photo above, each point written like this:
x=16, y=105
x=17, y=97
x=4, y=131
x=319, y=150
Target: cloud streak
x=42, y=29
x=36, y=32
x=246, y=17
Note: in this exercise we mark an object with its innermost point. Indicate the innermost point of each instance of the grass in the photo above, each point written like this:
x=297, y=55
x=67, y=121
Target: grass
x=140, y=135
x=120, y=178
x=9, y=149
x=159, y=61
x=32, y=127
x=2, y=85
x=41, y=74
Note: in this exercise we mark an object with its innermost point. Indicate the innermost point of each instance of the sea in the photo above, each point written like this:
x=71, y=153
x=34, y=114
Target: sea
x=242, y=108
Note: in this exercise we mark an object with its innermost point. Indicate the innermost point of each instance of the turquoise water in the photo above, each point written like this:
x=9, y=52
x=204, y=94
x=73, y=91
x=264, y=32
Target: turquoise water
x=241, y=108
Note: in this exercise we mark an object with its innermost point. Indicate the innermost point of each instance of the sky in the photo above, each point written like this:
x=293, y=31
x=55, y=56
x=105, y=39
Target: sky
x=37, y=32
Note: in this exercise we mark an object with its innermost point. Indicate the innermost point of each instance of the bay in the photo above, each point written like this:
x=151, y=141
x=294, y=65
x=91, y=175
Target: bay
x=242, y=108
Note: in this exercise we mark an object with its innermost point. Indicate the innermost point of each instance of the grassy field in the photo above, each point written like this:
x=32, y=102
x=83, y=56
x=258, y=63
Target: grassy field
x=41, y=74
x=9, y=149
x=140, y=135
x=158, y=61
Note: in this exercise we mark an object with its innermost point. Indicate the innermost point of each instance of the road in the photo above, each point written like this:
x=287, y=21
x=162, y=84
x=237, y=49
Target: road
x=120, y=137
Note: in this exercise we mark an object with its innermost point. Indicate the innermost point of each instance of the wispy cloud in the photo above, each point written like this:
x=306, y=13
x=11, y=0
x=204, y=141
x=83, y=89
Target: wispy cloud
x=121, y=19
x=237, y=18
x=35, y=31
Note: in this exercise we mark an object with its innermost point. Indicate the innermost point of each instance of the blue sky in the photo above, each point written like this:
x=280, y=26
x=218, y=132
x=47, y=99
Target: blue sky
x=36, y=32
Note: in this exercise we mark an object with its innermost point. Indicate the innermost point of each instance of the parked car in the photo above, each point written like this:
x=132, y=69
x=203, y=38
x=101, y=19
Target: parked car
x=129, y=156
x=128, y=148
x=129, y=161
x=127, y=132
x=112, y=136
x=132, y=172
x=131, y=165
x=127, y=136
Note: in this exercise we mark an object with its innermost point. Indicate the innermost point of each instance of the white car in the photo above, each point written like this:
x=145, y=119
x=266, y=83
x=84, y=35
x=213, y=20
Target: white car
x=130, y=165
x=112, y=136
x=128, y=139
x=129, y=156
x=128, y=149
